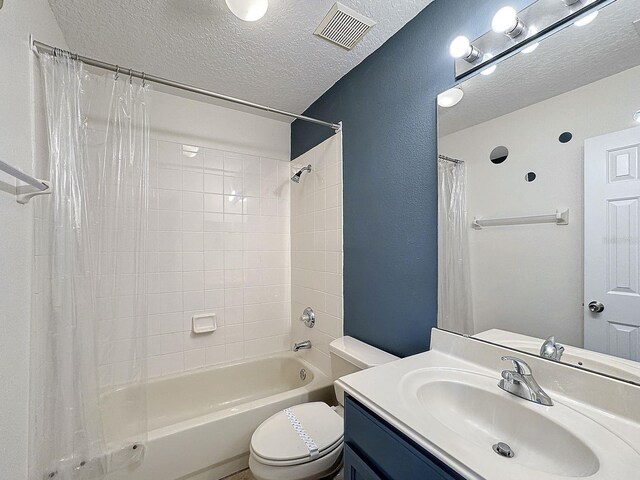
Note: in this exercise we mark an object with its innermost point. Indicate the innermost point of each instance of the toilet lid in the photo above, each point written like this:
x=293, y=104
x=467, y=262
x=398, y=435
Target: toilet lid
x=298, y=434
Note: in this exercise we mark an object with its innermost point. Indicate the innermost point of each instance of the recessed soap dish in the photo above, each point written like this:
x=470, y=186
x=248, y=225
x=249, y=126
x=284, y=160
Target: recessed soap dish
x=205, y=323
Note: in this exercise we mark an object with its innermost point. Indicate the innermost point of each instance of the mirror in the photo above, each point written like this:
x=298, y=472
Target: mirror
x=549, y=145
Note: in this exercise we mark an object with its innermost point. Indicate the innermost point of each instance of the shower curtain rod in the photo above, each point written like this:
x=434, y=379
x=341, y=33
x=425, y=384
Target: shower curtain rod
x=40, y=47
x=449, y=159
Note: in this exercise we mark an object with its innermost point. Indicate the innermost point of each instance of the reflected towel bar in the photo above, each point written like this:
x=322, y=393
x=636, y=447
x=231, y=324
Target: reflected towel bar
x=561, y=217
x=42, y=187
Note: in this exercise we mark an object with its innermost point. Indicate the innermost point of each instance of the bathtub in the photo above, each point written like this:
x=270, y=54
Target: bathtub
x=200, y=423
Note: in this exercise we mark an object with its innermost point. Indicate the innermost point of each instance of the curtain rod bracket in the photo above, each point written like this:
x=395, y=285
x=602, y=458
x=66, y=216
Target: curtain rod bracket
x=23, y=198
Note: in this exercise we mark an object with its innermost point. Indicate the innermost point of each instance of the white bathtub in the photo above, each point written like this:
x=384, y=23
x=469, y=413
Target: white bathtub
x=200, y=423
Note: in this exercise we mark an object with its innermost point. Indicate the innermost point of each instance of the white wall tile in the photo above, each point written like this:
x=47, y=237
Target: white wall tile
x=213, y=183
x=192, y=201
x=194, y=359
x=213, y=202
x=192, y=181
x=218, y=243
x=316, y=250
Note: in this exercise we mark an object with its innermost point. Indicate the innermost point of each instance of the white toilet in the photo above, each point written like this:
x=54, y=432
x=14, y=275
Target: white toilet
x=304, y=442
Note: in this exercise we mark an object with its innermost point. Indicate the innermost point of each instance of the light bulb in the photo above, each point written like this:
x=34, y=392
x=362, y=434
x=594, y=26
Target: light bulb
x=450, y=97
x=505, y=20
x=460, y=47
x=586, y=20
x=491, y=69
x=636, y=116
x=248, y=10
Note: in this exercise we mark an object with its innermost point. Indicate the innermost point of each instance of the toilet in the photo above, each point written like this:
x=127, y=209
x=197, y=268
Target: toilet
x=304, y=442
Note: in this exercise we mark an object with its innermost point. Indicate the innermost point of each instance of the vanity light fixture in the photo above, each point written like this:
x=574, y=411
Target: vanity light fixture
x=461, y=47
x=636, y=116
x=506, y=21
x=248, y=10
x=451, y=97
x=519, y=31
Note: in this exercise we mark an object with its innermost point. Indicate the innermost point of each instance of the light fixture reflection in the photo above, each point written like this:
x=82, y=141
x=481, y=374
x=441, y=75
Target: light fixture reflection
x=533, y=46
x=587, y=19
x=450, y=97
x=190, y=151
x=248, y=10
x=491, y=69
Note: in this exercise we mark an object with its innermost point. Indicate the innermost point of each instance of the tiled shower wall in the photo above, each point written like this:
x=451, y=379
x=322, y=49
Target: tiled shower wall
x=316, y=249
x=219, y=243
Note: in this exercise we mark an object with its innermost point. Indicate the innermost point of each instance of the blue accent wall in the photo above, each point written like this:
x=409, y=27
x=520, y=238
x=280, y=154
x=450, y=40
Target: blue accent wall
x=388, y=108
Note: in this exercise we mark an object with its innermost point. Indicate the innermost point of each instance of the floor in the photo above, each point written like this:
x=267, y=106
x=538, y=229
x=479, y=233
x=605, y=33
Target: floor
x=243, y=475
x=246, y=475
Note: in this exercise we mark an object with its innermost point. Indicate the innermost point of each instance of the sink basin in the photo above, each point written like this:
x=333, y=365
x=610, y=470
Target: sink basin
x=448, y=402
x=474, y=408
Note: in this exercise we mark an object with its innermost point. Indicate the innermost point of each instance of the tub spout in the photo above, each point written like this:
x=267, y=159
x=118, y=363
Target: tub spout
x=302, y=345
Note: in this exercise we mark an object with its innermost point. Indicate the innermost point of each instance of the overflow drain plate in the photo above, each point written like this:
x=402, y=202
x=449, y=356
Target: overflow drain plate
x=503, y=450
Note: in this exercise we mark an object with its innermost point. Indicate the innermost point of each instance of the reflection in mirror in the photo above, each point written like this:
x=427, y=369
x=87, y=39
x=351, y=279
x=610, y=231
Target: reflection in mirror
x=537, y=280
x=499, y=154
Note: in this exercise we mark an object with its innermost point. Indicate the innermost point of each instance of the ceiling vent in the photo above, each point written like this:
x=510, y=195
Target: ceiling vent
x=343, y=26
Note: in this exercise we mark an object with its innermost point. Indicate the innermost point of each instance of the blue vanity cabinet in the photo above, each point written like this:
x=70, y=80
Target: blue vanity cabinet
x=374, y=450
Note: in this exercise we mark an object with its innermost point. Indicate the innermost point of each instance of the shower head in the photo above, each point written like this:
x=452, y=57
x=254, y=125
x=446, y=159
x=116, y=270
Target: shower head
x=296, y=177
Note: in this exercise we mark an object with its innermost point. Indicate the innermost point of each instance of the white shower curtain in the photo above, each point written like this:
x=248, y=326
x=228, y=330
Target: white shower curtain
x=89, y=314
x=454, y=282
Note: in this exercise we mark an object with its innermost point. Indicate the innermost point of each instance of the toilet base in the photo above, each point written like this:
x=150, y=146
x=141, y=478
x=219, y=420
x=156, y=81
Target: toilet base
x=323, y=468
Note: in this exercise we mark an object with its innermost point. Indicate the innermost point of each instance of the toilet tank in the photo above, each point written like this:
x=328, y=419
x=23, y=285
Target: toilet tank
x=349, y=355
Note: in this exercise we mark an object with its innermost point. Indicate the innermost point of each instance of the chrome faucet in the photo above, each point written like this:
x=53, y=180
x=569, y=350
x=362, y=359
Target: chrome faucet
x=520, y=382
x=302, y=345
x=552, y=350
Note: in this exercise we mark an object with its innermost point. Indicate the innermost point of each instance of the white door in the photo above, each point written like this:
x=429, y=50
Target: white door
x=611, y=244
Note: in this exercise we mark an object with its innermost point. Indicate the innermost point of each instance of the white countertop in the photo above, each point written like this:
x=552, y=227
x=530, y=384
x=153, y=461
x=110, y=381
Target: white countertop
x=380, y=389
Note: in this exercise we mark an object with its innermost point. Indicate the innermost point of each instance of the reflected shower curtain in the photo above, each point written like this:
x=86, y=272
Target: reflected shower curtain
x=89, y=315
x=454, y=279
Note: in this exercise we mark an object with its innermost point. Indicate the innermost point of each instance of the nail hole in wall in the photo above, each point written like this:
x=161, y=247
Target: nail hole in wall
x=530, y=177
x=499, y=154
x=565, y=137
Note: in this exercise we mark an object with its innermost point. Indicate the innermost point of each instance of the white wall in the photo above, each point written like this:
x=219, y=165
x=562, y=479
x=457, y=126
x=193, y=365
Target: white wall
x=316, y=249
x=21, y=144
x=529, y=279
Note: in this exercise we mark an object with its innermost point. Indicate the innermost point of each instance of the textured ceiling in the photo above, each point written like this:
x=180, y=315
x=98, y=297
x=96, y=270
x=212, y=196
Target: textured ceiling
x=275, y=61
x=574, y=57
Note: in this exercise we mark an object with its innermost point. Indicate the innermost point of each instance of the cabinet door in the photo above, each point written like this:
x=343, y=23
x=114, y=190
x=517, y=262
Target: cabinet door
x=355, y=468
x=388, y=452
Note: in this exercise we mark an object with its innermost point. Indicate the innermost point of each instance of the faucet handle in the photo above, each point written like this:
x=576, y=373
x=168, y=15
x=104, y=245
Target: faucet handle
x=520, y=366
x=511, y=377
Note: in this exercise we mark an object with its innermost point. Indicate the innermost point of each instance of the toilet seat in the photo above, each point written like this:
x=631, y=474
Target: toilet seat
x=298, y=435
x=303, y=442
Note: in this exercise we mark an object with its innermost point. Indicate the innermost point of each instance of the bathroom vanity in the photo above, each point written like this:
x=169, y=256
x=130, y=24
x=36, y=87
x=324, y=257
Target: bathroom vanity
x=373, y=445
x=441, y=415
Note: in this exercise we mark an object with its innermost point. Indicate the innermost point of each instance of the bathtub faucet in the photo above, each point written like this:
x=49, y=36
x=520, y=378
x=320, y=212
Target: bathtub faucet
x=302, y=345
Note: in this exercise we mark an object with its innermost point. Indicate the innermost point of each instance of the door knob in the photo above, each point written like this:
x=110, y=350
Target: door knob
x=596, y=307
